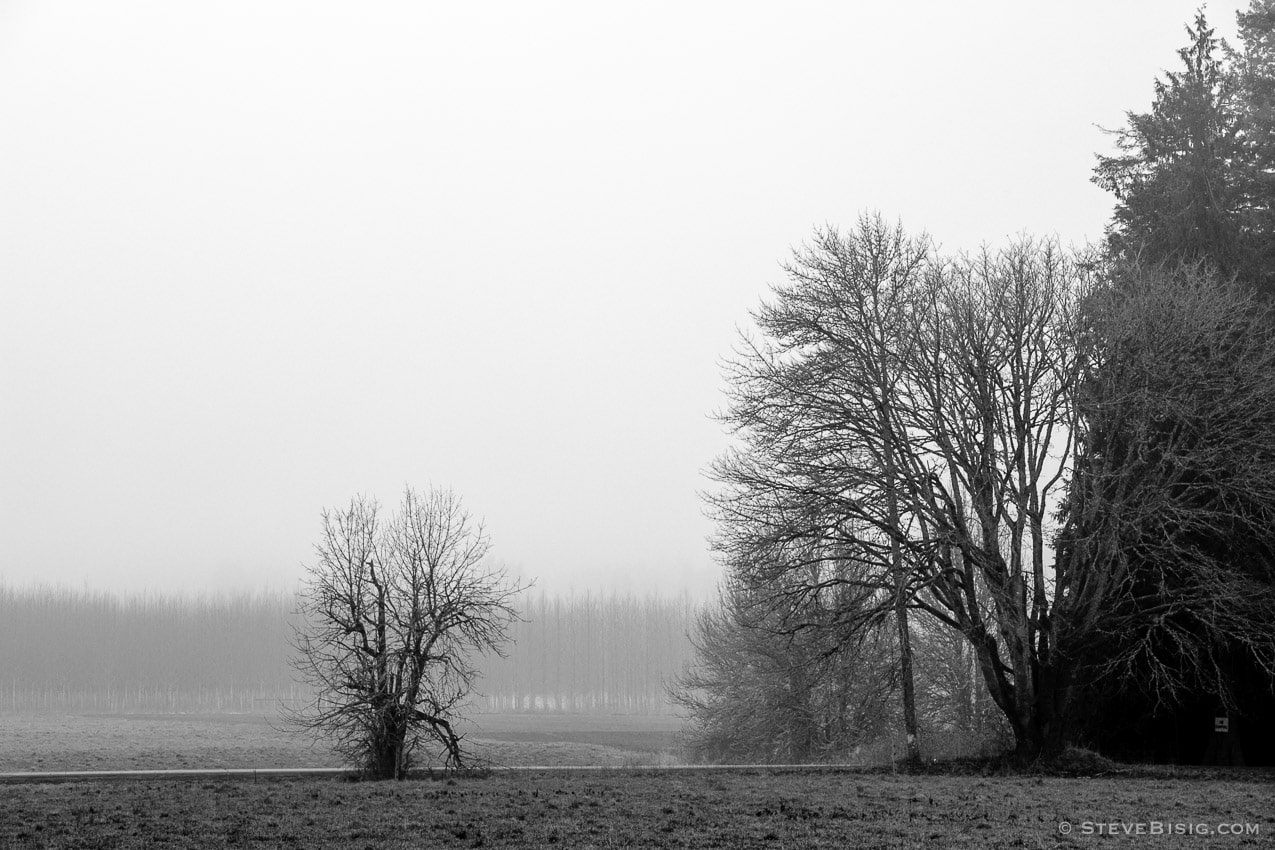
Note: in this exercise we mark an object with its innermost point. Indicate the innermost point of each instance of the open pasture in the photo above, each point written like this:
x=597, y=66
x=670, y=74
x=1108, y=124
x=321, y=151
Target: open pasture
x=45, y=742
x=629, y=808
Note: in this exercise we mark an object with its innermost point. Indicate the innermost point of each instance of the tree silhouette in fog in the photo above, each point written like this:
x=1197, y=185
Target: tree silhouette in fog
x=395, y=612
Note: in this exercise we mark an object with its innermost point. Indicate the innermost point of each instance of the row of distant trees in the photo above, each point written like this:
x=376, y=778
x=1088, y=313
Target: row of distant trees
x=1060, y=461
x=85, y=650
x=592, y=654
x=88, y=650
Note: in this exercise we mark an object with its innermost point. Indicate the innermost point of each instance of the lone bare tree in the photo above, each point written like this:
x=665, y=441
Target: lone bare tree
x=394, y=613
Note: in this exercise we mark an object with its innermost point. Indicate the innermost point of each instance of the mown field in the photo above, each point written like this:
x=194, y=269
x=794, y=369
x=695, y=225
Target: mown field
x=624, y=806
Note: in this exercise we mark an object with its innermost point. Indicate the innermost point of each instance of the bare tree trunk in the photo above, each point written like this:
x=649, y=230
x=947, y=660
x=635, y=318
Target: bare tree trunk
x=900, y=583
x=905, y=674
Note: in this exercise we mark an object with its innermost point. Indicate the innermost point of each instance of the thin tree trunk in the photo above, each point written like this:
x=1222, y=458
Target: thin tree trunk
x=905, y=673
x=900, y=591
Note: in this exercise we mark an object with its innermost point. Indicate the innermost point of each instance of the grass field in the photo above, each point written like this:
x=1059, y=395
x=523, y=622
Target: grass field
x=621, y=807
x=140, y=742
x=627, y=809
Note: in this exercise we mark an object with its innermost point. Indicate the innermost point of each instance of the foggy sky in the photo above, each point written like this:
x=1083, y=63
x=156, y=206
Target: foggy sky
x=258, y=257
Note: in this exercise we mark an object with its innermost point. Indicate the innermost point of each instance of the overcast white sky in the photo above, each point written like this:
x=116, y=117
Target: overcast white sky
x=257, y=257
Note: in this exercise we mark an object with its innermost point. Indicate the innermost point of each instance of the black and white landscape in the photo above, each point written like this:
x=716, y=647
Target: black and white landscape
x=515, y=425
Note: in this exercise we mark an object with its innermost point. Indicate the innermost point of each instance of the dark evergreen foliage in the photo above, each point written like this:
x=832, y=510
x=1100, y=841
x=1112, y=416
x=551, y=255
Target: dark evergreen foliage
x=1194, y=178
x=1195, y=186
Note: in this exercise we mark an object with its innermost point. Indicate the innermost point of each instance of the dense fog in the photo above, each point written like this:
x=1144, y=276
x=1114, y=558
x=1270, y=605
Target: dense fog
x=82, y=650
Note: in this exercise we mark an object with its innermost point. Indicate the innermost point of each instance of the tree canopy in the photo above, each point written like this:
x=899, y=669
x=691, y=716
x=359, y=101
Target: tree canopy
x=395, y=612
x=1063, y=457
x=1194, y=178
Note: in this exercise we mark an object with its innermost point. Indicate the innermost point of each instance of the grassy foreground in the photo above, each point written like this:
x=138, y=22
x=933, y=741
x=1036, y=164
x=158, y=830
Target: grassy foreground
x=632, y=809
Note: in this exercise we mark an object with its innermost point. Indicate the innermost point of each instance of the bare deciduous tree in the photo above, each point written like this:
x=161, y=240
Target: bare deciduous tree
x=815, y=504
x=761, y=691
x=1165, y=564
x=927, y=422
x=992, y=417
x=395, y=612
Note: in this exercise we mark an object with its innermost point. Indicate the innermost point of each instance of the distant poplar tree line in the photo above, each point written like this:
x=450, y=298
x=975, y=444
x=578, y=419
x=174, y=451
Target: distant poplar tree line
x=65, y=649
x=592, y=653
x=87, y=650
